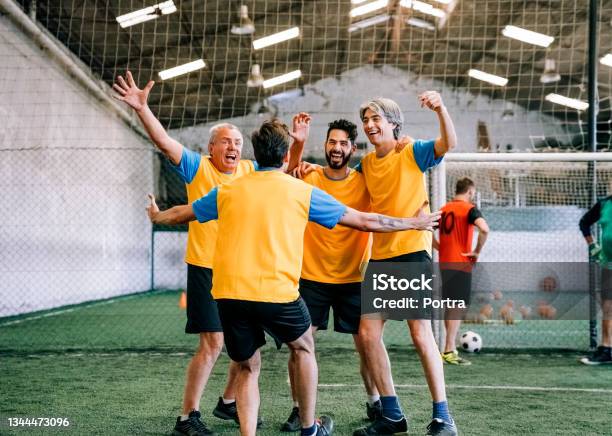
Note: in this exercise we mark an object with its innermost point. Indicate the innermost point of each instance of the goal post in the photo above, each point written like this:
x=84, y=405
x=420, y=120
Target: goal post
x=533, y=203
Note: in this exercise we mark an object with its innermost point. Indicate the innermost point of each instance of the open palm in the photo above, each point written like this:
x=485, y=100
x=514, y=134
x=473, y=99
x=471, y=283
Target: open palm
x=131, y=94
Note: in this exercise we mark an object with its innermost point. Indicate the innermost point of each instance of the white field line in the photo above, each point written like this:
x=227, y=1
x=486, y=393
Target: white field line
x=62, y=311
x=486, y=387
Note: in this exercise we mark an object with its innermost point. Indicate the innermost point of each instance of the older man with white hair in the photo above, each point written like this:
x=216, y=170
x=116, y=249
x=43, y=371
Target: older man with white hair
x=201, y=174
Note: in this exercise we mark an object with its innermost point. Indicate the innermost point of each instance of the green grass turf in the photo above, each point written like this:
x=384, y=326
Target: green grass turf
x=124, y=393
x=154, y=321
x=117, y=368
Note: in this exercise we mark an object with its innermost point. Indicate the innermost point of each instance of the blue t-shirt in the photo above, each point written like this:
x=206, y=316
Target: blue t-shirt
x=324, y=209
x=189, y=164
x=424, y=155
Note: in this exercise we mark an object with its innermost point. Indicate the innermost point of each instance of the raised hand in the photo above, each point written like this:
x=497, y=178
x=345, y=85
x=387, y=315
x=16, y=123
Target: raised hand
x=131, y=94
x=152, y=209
x=301, y=127
x=431, y=100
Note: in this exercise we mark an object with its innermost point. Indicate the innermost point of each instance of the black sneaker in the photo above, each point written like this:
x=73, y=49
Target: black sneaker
x=383, y=426
x=325, y=426
x=293, y=422
x=192, y=426
x=230, y=412
x=374, y=411
x=441, y=428
x=601, y=356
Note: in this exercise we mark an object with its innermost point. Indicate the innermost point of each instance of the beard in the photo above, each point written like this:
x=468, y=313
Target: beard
x=335, y=165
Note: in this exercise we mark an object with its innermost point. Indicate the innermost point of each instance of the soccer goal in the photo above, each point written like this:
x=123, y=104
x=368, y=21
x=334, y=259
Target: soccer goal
x=533, y=203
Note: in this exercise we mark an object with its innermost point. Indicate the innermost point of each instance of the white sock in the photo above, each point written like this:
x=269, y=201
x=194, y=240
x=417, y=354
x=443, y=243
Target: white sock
x=184, y=417
x=372, y=399
x=225, y=401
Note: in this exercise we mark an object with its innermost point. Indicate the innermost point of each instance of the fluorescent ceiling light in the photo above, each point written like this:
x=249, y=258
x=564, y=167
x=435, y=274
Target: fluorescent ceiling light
x=358, y=2
x=486, y=77
x=282, y=79
x=607, y=60
x=368, y=22
x=181, y=69
x=266, y=41
x=527, y=36
x=422, y=7
x=146, y=14
x=569, y=102
x=444, y=2
x=370, y=7
x=420, y=23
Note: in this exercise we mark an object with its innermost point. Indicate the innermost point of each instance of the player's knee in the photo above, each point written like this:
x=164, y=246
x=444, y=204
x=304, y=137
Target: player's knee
x=421, y=336
x=368, y=337
x=251, y=366
x=211, y=345
x=303, y=345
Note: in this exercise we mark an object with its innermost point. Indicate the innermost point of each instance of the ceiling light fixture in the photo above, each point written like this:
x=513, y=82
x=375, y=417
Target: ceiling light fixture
x=527, y=36
x=282, y=79
x=486, y=77
x=367, y=8
x=550, y=74
x=566, y=101
x=255, y=78
x=146, y=14
x=368, y=22
x=276, y=38
x=245, y=25
x=181, y=69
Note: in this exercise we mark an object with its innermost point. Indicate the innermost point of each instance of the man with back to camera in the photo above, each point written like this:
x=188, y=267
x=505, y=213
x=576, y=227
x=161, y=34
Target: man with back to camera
x=459, y=217
x=201, y=174
x=257, y=265
x=396, y=184
x=602, y=253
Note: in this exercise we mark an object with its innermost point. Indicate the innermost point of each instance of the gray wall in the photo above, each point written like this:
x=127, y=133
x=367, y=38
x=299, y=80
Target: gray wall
x=73, y=179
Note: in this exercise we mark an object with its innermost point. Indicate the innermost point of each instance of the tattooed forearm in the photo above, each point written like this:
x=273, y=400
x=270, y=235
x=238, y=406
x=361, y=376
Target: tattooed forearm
x=387, y=222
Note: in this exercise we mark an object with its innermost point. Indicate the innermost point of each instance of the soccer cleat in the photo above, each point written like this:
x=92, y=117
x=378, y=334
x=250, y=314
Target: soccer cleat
x=192, y=426
x=374, y=411
x=453, y=358
x=325, y=426
x=293, y=422
x=383, y=426
x=601, y=356
x=230, y=411
x=438, y=427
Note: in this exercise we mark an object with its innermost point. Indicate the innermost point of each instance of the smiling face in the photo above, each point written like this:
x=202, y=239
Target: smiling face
x=338, y=149
x=225, y=148
x=377, y=128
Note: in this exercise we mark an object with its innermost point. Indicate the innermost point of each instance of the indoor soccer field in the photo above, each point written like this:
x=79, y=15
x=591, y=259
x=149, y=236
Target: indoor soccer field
x=93, y=294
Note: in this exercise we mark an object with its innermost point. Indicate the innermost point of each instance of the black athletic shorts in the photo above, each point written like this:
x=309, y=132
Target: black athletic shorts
x=456, y=285
x=202, y=313
x=424, y=266
x=343, y=298
x=244, y=324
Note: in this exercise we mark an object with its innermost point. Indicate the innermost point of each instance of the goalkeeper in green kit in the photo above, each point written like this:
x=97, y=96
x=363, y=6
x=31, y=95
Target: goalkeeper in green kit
x=601, y=212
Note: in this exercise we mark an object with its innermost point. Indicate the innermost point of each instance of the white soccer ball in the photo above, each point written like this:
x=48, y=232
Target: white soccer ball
x=471, y=342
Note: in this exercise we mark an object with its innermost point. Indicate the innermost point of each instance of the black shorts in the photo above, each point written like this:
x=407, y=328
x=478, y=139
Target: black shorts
x=244, y=324
x=424, y=266
x=202, y=313
x=417, y=256
x=456, y=285
x=344, y=298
